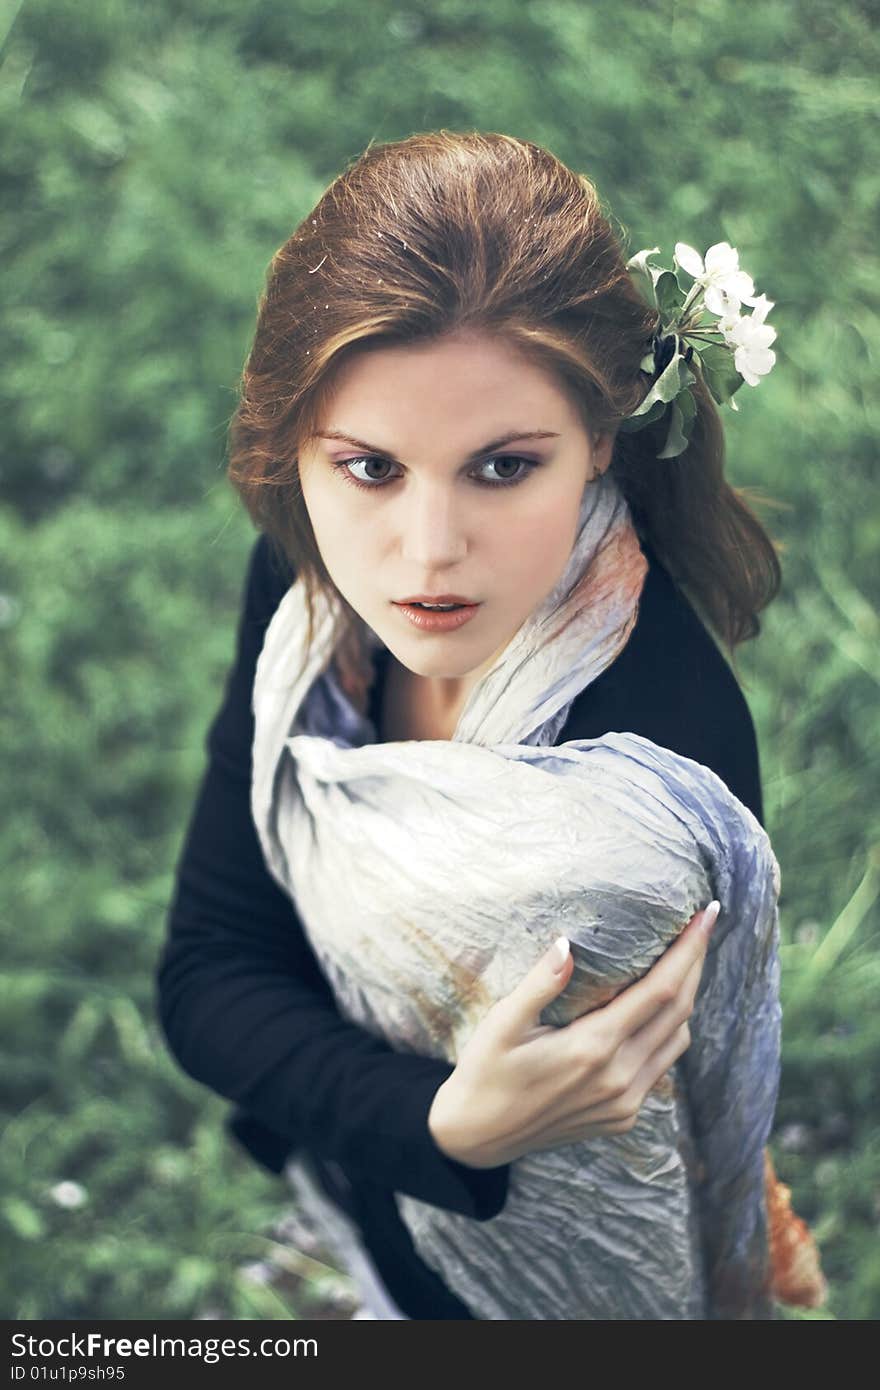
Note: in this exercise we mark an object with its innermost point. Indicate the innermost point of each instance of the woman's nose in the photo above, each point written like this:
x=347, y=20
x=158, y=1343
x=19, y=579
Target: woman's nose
x=432, y=529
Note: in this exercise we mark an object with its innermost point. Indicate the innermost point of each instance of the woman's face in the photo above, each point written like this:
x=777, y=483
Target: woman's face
x=423, y=505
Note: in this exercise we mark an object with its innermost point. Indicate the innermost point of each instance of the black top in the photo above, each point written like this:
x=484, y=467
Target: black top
x=242, y=1000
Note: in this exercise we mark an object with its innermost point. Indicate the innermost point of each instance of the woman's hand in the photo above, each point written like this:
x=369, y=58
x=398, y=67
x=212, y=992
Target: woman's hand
x=520, y=1086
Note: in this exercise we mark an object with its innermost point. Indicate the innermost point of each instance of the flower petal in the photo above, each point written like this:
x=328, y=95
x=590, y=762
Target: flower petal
x=722, y=259
x=746, y=333
x=741, y=362
x=689, y=259
x=718, y=301
x=740, y=285
x=762, y=307
x=761, y=360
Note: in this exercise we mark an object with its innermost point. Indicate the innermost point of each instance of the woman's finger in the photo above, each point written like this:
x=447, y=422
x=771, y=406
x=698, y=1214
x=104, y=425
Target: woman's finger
x=517, y=1013
x=646, y=1040
x=627, y=1103
x=639, y=1003
x=662, y=1060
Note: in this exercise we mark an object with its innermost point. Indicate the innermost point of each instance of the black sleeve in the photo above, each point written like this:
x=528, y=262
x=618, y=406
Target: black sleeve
x=244, y=1005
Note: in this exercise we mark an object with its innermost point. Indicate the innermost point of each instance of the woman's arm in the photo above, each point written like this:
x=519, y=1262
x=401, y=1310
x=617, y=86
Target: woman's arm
x=242, y=1001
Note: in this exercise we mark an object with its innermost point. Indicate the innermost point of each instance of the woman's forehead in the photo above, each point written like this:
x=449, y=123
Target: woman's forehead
x=475, y=391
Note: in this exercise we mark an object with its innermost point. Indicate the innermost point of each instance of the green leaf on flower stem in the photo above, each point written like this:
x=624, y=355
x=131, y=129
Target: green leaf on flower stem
x=688, y=407
x=673, y=379
x=669, y=295
x=647, y=363
x=667, y=386
x=676, y=439
x=720, y=374
x=633, y=423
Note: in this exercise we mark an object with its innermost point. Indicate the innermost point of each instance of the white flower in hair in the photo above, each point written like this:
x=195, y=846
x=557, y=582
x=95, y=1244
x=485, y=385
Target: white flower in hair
x=751, y=337
x=688, y=346
x=725, y=285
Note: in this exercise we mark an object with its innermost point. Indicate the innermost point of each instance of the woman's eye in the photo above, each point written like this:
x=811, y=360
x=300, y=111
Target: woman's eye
x=509, y=461
x=508, y=476
x=368, y=461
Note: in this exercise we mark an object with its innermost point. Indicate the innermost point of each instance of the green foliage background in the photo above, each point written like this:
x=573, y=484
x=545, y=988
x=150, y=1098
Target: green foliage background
x=154, y=156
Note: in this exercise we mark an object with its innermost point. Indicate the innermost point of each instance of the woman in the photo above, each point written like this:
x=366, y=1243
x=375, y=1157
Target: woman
x=452, y=297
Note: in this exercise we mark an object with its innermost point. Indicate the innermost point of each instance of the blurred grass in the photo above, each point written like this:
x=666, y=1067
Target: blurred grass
x=153, y=159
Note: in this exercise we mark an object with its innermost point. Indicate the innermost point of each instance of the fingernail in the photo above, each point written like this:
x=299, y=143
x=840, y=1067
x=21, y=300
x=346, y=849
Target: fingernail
x=710, y=916
x=558, y=954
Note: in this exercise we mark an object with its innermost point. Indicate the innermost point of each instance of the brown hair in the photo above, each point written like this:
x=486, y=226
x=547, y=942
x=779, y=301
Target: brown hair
x=445, y=231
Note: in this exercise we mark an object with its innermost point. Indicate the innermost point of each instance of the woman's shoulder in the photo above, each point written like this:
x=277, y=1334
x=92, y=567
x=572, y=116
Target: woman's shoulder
x=672, y=684
x=667, y=614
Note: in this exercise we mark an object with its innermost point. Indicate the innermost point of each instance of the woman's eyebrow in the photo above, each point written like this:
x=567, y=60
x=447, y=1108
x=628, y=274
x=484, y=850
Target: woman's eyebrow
x=489, y=448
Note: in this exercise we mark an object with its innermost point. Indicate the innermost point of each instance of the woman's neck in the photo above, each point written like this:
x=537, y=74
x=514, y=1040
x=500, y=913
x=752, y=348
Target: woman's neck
x=420, y=707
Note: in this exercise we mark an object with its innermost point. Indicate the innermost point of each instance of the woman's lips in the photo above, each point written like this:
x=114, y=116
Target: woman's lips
x=433, y=621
